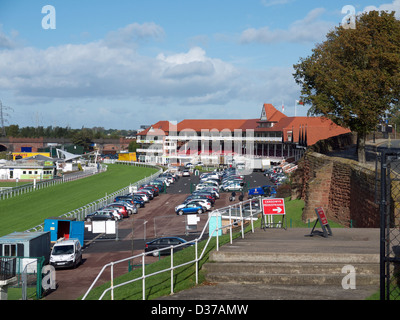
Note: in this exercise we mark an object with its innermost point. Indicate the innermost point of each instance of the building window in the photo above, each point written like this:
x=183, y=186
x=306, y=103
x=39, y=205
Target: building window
x=9, y=250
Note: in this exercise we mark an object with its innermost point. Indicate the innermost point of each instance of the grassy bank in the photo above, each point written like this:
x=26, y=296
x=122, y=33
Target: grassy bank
x=28, y=210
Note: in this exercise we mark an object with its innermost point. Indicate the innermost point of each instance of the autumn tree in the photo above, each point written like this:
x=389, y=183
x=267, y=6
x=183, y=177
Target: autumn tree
x=353, y=77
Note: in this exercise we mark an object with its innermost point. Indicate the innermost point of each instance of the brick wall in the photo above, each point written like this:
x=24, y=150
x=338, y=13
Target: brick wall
x=343, y=187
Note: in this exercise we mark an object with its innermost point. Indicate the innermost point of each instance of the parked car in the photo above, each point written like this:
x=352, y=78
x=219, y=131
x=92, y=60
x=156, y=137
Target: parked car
x=232, y=186
x=67, y=253
x=205, y=193
x=166, y=242
x=153, y=190
x=189, y=208
x=199, y=196
x=161, y=186
x=122, y=209
x=267, y=191
x=142, y=195
x=203, y=202
x=100, y=216
x=130, y=207
x=185, y=173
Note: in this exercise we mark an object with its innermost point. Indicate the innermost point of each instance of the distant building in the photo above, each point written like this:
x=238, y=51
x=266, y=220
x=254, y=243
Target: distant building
x=273, y=136
x=27, y=169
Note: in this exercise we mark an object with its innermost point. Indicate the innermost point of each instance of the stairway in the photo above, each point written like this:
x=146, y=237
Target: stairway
x=302, y=269
x=278, y=264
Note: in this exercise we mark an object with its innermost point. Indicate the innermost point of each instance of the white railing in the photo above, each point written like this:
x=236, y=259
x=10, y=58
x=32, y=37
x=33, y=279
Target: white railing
x=223, y=138
x=37, y=185
x=240, y=217
x=80, y=213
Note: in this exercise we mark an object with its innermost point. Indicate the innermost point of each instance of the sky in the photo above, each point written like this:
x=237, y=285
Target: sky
x=121, y=64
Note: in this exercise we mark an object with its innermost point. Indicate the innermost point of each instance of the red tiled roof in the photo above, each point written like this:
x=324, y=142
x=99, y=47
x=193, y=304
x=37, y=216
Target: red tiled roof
x=315, y=128
x=160, y=128
x=273, y=115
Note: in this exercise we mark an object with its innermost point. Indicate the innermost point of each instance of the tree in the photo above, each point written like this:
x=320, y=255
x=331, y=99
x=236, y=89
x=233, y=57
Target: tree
x=353, y=77
x=83, y=138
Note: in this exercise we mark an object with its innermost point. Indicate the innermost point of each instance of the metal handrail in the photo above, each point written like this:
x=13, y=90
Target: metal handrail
x=195, y=260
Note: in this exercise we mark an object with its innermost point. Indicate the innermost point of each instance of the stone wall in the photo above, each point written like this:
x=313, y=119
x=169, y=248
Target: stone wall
x=343, y=187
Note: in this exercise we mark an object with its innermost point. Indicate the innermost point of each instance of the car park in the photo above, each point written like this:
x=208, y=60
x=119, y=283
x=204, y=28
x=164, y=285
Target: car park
x=164, y=243
x=189, y=208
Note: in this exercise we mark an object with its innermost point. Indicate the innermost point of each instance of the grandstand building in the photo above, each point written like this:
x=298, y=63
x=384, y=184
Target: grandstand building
x=274, y=137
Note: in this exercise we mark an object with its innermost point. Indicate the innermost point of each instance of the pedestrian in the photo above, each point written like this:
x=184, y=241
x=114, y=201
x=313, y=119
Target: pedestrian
x=233, y=195
x=241, y=197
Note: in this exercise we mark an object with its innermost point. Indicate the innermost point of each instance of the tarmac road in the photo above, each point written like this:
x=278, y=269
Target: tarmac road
x=157, y=218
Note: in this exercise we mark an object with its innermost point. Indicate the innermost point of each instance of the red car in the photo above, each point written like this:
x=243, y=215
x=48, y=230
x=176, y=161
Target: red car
x=121, y=209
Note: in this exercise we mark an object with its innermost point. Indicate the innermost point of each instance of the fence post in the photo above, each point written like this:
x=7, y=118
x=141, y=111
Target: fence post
x=172, y=269
x=112, y=280
x=230, y=224
x=197, y=262
x=143, y=279
x=241, y=218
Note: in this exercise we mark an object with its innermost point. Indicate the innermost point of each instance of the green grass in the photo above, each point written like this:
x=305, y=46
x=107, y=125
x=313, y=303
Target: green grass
x=23, y=212
x=13, y=184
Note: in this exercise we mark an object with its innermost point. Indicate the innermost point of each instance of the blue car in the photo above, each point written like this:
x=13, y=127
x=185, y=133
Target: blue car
x=267, y=191
x=189, y=208
x=136, y=200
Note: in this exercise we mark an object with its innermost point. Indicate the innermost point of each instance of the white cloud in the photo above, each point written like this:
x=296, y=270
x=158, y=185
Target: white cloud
x=134, y=33
x=309, y=29
x=394, y=6
x=270, y=3
x=97, y=69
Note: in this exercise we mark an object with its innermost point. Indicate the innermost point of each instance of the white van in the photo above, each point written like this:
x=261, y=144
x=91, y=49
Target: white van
x=67, y=253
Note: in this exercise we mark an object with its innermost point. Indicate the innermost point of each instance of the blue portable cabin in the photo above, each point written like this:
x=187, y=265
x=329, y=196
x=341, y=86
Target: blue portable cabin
x=66, y=228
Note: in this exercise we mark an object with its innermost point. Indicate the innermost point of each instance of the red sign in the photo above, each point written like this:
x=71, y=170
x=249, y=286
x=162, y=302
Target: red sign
x=273, y=206
x=322, y=215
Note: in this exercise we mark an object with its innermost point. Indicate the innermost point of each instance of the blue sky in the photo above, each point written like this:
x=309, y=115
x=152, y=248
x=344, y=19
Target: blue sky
x=122, y=64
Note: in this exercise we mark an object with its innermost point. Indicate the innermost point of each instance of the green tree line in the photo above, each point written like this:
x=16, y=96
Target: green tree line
x=16, y=131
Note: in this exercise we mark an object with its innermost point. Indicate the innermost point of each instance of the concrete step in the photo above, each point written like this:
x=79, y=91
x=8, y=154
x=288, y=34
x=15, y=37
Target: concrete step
x=290, y=268
x=274, y=268
x=289, y=279
x=248, y=256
